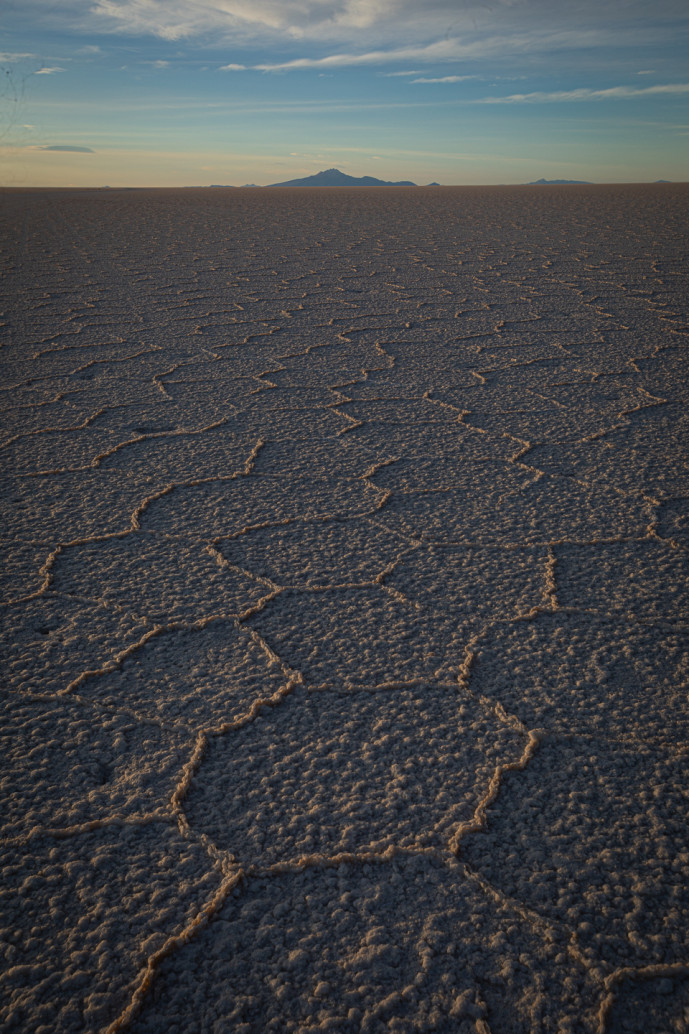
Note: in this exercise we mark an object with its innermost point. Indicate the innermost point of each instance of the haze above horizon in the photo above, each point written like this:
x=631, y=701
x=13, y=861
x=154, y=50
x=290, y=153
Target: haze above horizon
x=178, y=92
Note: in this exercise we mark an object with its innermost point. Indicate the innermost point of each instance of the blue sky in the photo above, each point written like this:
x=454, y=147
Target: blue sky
x=186, y=92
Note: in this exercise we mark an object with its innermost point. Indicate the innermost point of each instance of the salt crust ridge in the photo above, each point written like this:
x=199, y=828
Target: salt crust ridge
x=381, y=508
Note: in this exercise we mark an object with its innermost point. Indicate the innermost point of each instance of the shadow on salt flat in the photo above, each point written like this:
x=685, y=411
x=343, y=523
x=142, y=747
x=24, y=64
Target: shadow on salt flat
x=226, y=508
x=162, y=579
x=358, y=637
x=651, y=1006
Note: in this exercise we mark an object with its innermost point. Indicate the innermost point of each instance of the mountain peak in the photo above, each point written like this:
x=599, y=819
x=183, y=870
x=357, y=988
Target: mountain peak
x=555, y=183
x=335, y=178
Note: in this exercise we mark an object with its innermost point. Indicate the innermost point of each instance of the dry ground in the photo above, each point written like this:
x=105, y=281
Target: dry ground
x=345, y=555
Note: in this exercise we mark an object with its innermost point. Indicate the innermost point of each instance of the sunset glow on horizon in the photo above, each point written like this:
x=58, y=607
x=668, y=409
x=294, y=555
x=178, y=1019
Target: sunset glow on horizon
x=123, y=93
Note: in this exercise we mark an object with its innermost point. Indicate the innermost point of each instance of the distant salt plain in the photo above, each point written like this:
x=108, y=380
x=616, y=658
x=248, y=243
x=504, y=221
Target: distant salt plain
x=345, y=635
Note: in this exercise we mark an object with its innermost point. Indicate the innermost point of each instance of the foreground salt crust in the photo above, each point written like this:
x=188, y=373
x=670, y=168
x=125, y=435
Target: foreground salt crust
x=343, y=611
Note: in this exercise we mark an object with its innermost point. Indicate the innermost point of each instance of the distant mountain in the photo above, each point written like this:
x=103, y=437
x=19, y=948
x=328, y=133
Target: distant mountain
x=549, y=183
x=335, y=178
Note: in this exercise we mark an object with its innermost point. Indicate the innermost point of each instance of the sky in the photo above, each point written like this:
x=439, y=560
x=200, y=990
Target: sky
x=197, y=92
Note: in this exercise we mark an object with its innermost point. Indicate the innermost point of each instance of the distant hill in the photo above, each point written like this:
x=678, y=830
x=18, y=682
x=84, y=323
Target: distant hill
x=553, y=183
x=335, y=178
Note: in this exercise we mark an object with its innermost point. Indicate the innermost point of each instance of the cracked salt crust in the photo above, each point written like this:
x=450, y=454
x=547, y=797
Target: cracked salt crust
x=79, y=909
x=68, y=770
x=192, y=677
x=160, y=579
x=582, y=673
x=343, y=611
x=413, y=945
x=563, y=840
x=330, y=772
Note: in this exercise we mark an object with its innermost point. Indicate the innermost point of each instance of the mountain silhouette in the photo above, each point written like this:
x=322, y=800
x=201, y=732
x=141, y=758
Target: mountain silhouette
x=335, y=178
x=548, y=183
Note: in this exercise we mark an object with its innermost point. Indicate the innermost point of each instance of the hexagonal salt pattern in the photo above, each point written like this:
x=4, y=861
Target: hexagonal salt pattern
x=578, y=672
x=81, y=915
x=329, y=772
x=66, y=764
x=593, y=835
x=408, y=946
x=343, y=611
x=193, y=678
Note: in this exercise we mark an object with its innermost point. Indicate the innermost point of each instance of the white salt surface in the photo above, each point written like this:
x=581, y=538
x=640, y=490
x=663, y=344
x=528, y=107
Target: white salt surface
x=343, y=603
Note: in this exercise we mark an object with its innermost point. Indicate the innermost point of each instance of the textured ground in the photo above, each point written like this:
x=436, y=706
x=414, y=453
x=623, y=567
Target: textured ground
x=345, y=552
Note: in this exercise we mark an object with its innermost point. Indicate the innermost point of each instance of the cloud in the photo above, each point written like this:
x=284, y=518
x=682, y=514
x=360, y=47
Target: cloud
x=441, y=50
x=9, y=58
x=65, y=147
x=232, y=68
x=48, y=71
x=445, y=79
x=385, y=22
x=299, y=19
x=395, y=75
x=586, y=94
x=453, y=49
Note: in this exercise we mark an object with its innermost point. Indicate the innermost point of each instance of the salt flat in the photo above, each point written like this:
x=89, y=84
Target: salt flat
x=345, y=552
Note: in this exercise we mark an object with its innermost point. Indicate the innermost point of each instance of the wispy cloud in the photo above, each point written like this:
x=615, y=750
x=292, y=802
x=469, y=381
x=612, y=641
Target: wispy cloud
x=49, y=71
x=232, y=68
x=8, y=58
x=444, y=79
x=65, y=147
x=94, y=107
x=329, y=32
x=586, y=94
x=452, y=49
x=344, y=19
x=441, y=50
